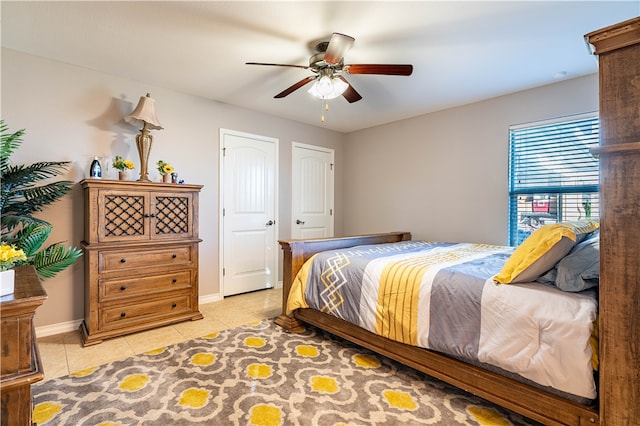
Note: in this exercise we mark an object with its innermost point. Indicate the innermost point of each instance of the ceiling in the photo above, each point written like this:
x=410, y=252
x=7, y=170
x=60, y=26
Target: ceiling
x=462, y=52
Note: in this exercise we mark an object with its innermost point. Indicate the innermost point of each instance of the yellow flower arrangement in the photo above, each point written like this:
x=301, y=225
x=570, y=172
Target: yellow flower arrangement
x=9, y=256
x=122, y=164
x=164, y=168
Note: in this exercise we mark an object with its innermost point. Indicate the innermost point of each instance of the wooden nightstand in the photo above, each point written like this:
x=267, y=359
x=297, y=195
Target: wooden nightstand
x=20, y=365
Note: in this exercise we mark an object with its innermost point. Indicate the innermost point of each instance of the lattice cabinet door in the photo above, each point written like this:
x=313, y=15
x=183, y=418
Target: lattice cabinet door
x=124, y=215
x=172, y=215
x=144, y=215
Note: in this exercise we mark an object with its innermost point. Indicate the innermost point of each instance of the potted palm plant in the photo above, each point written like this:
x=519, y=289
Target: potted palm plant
x=25, y=190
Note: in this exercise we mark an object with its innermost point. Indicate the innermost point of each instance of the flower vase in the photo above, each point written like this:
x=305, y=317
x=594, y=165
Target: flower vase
x=166, y=178
x=123, y=175
x=7, y=280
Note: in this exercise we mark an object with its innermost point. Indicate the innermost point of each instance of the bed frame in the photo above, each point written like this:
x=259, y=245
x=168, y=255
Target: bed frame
x=618, y=48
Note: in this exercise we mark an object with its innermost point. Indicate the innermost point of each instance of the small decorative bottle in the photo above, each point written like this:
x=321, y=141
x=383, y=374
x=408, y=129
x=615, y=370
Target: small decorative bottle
x=96, y=170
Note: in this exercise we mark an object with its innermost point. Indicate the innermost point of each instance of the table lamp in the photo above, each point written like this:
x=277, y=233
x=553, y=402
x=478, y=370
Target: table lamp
x=144, y=113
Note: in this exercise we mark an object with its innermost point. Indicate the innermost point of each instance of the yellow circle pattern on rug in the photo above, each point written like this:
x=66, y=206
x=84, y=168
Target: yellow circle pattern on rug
x=487, y=416
x=324, y=384
x=254, y=342
x=156, y=351
x=399, y=399
x=194, y=398
x=83, y=373
x=259, y=371
x=365, y=361
x=134, y=382
x=203, y=358
x=44, y=412
x=307, y=350
x=265, y=415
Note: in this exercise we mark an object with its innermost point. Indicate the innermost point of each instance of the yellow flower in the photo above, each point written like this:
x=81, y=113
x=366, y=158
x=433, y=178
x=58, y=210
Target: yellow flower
x=164, y=168
x=9, y=256
x=122, y=164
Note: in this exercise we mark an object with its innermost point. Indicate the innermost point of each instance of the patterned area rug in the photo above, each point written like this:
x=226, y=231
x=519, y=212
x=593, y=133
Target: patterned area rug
x=259, y=375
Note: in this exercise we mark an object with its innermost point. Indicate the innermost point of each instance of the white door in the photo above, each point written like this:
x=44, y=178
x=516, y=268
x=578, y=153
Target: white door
x=312, y=191
x=248, y=211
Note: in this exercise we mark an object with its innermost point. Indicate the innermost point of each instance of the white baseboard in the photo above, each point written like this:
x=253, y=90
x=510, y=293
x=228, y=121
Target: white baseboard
x=209, y=298
x=59, y=328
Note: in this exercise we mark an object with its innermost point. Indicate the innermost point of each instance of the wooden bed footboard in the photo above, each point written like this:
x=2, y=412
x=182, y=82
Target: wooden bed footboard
x=527, y=400
x=296, y=252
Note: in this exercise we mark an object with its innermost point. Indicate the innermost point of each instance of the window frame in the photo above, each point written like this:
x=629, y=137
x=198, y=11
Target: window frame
x=551, y=190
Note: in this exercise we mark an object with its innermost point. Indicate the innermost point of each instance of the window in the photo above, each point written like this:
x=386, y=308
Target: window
x=552, y=174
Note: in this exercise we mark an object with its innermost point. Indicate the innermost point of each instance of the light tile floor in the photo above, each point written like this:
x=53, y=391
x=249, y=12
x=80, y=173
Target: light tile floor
x=63, y=354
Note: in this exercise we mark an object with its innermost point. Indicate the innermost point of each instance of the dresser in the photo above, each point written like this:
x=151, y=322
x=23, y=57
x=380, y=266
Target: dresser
x=140, y=256
x=20, y=363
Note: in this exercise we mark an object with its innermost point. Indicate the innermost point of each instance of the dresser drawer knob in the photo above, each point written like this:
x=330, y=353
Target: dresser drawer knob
x=174, y=280
x=174, y=255
x=174, y=305
x=123, y=260
x=123, y=288
x=123, y=314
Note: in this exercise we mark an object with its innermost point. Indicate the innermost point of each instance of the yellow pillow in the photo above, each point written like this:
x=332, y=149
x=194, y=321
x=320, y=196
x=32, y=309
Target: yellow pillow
x=542, y=250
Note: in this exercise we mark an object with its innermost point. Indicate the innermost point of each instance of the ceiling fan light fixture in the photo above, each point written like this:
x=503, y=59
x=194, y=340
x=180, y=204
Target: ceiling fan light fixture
x=327, y=87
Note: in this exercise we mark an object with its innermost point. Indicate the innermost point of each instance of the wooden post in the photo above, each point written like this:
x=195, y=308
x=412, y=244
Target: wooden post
x=618, y=48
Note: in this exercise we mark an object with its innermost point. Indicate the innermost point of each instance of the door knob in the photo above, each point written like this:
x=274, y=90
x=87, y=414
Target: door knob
x=270, y=223
x=299, y=222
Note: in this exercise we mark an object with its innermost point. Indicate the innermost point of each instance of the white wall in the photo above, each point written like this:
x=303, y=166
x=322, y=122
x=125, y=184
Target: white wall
x=72, y=113
x=444, y=176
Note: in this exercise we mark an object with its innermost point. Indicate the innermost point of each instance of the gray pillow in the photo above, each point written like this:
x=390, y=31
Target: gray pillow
x=580, y=269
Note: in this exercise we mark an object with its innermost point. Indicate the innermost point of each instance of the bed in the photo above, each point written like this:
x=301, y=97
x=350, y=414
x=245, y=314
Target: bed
x=618, y=48
x=493, y=385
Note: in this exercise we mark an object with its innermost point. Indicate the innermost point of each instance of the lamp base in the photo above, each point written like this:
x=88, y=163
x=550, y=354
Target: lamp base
x=144, y=141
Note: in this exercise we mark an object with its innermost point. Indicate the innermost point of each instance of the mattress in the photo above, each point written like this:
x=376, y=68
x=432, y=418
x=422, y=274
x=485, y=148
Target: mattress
x=441, y=296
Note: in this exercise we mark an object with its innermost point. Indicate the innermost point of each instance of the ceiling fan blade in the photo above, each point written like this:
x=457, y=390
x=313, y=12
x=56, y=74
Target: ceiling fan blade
x=295, y=87
x=382, y=69
x=350, y=94
x=277, y=65
x=338, y=46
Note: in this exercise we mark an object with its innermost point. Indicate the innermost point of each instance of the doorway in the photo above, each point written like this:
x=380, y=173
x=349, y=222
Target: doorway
x=248, y=212
x=312, y=191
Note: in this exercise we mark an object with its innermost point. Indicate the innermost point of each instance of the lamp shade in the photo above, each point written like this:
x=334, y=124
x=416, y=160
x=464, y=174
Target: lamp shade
x=145, y=112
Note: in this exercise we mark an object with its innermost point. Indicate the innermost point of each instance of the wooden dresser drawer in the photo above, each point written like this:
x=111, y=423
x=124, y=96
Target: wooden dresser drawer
x=121, y=260
x=145, y=310
x=148, y=284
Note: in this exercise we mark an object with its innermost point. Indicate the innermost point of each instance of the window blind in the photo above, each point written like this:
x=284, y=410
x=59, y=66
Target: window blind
x=553, y=176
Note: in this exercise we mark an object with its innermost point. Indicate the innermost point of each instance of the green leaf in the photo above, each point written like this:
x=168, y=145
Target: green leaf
x=12, y=223
x=54, y=259
x=32, y=237
x=8, y=144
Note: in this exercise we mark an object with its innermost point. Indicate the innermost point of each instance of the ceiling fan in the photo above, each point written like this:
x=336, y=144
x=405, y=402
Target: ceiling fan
x=327, y=65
